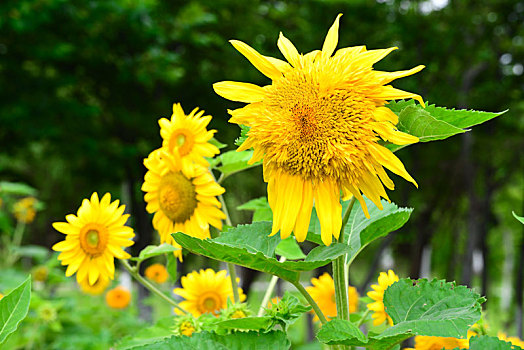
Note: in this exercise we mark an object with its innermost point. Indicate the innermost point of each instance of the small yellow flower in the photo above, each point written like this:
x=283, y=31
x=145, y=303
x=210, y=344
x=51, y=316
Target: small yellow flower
x=323, y=292
x=438, y=343
x=97, y=288
x=186, y=136
x=183, y=198
x=40, y=273
x=384, y=281
x=1, y=296
x=513, y=340
x=94, y=237
x=206, y=292
x=186, y=325
x=118, y=298
x=317, y=128
x=157, y=273
x=238, y=314
x=24, y=210
x=187, y=329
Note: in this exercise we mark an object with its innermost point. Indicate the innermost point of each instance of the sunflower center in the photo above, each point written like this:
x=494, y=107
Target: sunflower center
x=177, y=196
x=93, y=239
x=210, y=302
x=182, y=140
x=316, y=133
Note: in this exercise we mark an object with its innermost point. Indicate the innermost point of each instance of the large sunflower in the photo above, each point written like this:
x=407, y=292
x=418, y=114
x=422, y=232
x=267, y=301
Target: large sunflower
x=182, y=196
x=94, y=237
x=323, y=292
x=317, y=128
x=206, y=292
x=186, y=135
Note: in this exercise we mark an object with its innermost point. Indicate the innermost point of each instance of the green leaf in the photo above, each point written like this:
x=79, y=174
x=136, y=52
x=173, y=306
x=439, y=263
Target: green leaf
x=275, y=340
x=248, y=323
x=243, y=135
x=492, y=343
x=434, y=123
x=519, y=218
x=171, y=267
x=260, y=207
x=290, y=249
x=250, y=246
x=13, y=308
x=233, y=162
x=217, y=143
x=361, y=231
x=154, y=250
x=433, y=308
x=144, y=337
x=341, y=332
x=17, y=188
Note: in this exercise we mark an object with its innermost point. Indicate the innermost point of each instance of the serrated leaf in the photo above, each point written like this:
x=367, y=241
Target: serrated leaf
x=250, y=246
x=433, y=308
x=243, y=135
x=13, y=308
x=154, y=250
x=519, y=218
x=484, y=342
x=144, y=337
x=275, y=340
x=435, y=123
x=290, y=249
x=341, y=332
x=361, y=231
x=260, y=208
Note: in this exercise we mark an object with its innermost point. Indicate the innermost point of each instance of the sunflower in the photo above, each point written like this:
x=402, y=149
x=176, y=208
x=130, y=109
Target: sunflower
x=317, y=128
x=97, y=288
x=183, y=198
x=157, y=273
x=206, y=292
x=513, y=340
x=439, y=343
x=384, y=281
x=323, y=292
x=25, y=210
x=118, y=298
x=94, y=237
x=186, y=136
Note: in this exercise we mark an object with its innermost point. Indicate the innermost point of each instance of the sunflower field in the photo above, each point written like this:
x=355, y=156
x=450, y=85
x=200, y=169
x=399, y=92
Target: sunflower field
x=343, y=174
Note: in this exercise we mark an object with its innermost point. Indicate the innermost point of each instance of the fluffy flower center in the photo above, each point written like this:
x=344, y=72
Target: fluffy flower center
x=209, y=302
x=177, y=197
x=183, y=140
x=323, y=133
x=93, y=239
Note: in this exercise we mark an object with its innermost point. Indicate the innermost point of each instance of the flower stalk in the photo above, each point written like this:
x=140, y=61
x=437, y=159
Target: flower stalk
x=311, y=301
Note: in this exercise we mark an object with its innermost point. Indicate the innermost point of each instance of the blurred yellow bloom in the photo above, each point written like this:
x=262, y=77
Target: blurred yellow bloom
x=317, y=128
x=157, y=273
x=323, y=292
x=1, y=296
x=182, y=196
x=206, y=292
x=187, y=329
x=384, y=281
x=513, y=340
x=94, y=237
x=438, y=343
x=97, y=288
x=118, y=298
x=186, y=136
x=40, y=273
x=24, y=210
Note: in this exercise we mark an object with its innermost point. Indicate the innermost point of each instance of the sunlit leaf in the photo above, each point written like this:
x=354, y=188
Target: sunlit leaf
x=13, y=308
x=154, y=250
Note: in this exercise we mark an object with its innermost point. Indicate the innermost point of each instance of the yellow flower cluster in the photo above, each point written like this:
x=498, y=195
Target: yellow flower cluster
x=25, y=210
x=179, y=188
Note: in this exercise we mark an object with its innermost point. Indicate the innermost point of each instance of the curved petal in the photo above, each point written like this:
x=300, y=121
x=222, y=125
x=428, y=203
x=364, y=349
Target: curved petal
x=240, y=92
x=257, y=60
x=331, y=41
x=288, y=50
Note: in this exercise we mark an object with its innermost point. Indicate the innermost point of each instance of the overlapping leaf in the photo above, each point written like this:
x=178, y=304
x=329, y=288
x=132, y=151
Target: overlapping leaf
x=154, y=250
x=13, y=309
x=485, y=342
x=250, y=246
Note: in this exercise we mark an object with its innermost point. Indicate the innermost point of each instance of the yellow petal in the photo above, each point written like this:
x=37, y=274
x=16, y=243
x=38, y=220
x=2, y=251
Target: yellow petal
x=304, y=214
x=282, y=66
x=288, y=50
x=240, y=92
x=386, y=77
x=387, y=159
x=257, y=60
x=329, y=210
x=294, y=201
x=383, y=114
x=368, y=58
x=388, y=92
x=389, y=133
x=331, y=41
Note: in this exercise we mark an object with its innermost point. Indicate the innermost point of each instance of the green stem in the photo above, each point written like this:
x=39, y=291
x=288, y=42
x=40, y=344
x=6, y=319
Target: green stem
x=230, y=266
x=363, y=319
x=269, y=291
x=15, y=243
x=134, y=272
x=339, y=271
x=311, y=302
